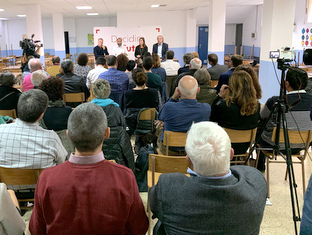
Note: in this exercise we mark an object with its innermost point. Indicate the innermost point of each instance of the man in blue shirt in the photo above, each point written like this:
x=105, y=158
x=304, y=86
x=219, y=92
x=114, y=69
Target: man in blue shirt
x=118, y=80
x=178, y=116
x=160, y=47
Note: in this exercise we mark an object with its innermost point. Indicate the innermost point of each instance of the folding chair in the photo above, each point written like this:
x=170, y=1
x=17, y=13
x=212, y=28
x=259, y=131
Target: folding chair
x=74, y=97
x=11, y=113
x=146, y=120
x=173, y=139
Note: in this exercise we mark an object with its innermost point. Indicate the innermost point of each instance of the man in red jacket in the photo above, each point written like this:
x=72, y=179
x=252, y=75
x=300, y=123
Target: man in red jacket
x=88, y=194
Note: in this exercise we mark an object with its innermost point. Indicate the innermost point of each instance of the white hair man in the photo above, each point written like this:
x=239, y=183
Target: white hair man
x=34, y=65
x=37, y=77
x=195, y=64
x=215, y=194
x=182, y=110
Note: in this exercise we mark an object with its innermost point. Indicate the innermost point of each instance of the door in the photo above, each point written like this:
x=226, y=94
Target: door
x=239, y=38
x=203, y=43
x=66, y=42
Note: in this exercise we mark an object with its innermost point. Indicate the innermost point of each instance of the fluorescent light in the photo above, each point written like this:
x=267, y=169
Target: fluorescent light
x=83, y=7
x=92, y=14
x=1, y=9
x=154, y=5
x=21, y=15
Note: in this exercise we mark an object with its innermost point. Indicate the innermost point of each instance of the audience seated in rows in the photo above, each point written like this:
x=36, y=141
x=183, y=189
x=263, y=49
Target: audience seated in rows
x=187, y=57
x=130, y=66
x=157, y=69
x=11, y=221
x=55, y=68
x=235, y=61
x=195, y=64
x=34, y=65
x=8, y=94
x=25, y=144
x=298, y=115
x=138, y=98
x=202, y=203
x=93, y=75
x=37, y=77
x=216, y=69
x=122, y=61
x=117, y=146
x=153, y=80
x=195, y=54
x=73, y=82
x=82, y=68
x=306, y=219
x=118, y=80
x=170, y=65
x=181, y=111
x=237, y=106
x=106, y=193
x=206, y=93
x=56, y=116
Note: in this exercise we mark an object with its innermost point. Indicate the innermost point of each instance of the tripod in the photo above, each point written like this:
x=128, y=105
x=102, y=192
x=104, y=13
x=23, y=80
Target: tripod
x=280, y=107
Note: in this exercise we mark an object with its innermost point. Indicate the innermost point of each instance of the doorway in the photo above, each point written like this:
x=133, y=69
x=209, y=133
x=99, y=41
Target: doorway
x=239, y=38
x=66, y=42
x=203, y=43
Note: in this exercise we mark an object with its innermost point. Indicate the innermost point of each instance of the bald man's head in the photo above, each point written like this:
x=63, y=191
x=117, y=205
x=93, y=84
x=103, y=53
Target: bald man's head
x=34, y=65
x=195, y=63
x=188, y=87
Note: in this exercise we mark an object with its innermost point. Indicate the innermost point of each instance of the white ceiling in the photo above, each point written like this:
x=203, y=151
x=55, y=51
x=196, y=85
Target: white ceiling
x=106, y=8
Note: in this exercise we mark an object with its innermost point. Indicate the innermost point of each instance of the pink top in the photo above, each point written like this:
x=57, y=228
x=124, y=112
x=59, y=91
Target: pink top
x=27, y=84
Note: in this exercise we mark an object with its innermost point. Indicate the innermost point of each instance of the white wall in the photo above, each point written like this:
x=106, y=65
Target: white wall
x=252, y=25
x=47, y=29
x=230, y=33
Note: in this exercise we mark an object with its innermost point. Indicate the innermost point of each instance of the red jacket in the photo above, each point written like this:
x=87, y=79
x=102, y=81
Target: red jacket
x=102, y=198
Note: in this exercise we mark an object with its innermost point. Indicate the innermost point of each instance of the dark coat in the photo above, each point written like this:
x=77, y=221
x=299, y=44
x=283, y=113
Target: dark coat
x=164, y=49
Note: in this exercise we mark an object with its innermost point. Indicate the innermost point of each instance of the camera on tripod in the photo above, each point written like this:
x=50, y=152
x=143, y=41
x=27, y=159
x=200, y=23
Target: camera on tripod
x=29, y=46
x=286, y=54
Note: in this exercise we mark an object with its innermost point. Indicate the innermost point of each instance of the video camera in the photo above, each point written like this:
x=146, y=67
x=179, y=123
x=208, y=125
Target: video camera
x=29, y=46
x=286, y=54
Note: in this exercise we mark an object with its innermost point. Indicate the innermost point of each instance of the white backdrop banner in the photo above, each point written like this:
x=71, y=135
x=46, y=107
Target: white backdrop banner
x=130, y=37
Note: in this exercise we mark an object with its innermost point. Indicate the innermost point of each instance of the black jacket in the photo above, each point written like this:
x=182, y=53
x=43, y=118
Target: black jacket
x=164, y=50
x=139, y=52
x=118, y=145
x=99, y=52
x=9, y=102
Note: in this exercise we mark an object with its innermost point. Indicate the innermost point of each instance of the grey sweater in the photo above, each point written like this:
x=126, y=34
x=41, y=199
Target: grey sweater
x=198, y=205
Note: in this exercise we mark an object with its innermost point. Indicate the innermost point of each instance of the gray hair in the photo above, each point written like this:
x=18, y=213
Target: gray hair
x=187, y=92
x=34, y=65
x=31, y=105
x=101, y=89
x=67, y=66
x=7, y=79
x=37, y=77
x=87, y=126
x=196, y=63
x=209, y=148
x=187, y=57
x=202, y=76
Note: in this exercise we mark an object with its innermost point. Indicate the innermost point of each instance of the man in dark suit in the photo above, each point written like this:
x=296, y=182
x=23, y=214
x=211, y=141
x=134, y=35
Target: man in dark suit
x=224, y=78
x=187, y=57
x=195, y=64
x=160, y=47
x=216, y=69
x=100, y=50
x=216, y=199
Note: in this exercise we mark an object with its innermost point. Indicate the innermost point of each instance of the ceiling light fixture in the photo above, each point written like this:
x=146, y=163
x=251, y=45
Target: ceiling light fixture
x=83, y=7
x=92, y=14
x=21, y=15
x=1, y=9
x=155, y=5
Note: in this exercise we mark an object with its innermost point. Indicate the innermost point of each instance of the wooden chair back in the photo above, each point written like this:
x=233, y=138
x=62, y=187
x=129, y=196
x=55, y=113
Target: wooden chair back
x=11, y=113
x=174, y=139
x=213, y=83
x=74, y=97
x=92, y=96
x=13, y=176
x=148, y=114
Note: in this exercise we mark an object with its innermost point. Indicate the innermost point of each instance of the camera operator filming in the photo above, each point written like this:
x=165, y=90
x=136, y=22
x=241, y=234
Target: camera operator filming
x=30, y=48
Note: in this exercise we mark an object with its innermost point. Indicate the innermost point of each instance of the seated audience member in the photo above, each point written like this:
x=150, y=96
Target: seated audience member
x=8, y=94
x=138, y=98
x=160, y=48
x=29, y=146
x=157, y=69
x=11, y=221
x=253, y=75
x=178, y=115
x=73, y=82
x=55, y=68
x=117, y=146
x=195, y=54
x=140, y=49
x=187, y=57
x=24, y=65
x=297, y=117
x=237, y=106
x=130, y=67
x=93, y=75
x=235, y=61
x=82, y=68
x=195, y=64
x=100, y=50
x=202, y=203
x=169, y=65
x=122, y=61
x=306, y=220
x=118, y=80
x=216, y=69
x=56, y=116
x=206, y=93
x=100, y=196
x=34, y=65
x=37, y=77
x=153, y=80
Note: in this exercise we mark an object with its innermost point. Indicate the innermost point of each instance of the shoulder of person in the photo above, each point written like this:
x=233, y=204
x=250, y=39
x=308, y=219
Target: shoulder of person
x=250, y=175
